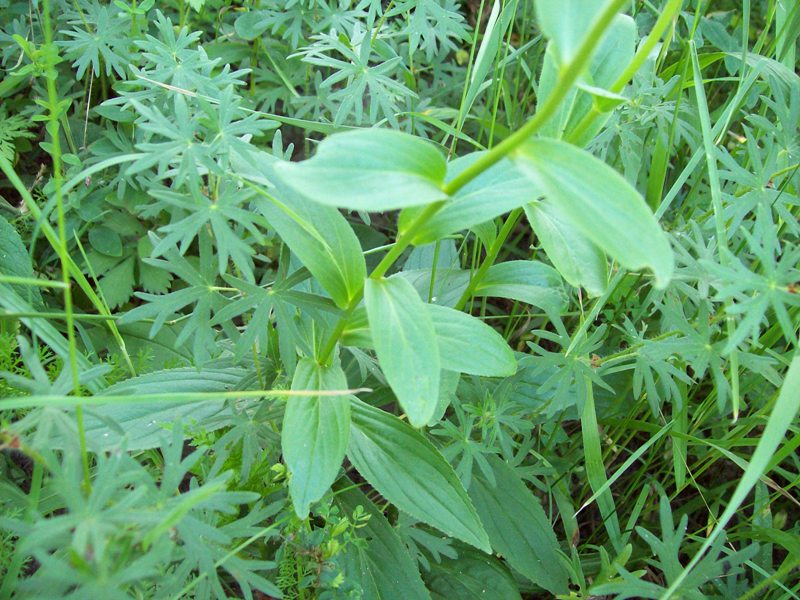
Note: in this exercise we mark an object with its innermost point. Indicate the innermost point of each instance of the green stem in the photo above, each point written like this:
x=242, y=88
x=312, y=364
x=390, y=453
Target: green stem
x=491, y=256
x=719, y=218
x=403, y=242
x=569, y=74
x=639, y=58
x=52, y=238
x=61, y=249
x=558, y=93
x=4, y=314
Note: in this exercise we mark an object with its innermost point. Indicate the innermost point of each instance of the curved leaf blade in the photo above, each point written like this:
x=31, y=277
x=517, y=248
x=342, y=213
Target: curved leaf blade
x=411, y=473
x=494, y=192
x=471, y=576
x=405, y=343
x=385, y=562
x=528, y=281
x=140, y=423
x=315, y=433
x=370, y=170
x=318, y=235
x=580, y=262
x=518, y=527
x=608, y=210
x=468, y=345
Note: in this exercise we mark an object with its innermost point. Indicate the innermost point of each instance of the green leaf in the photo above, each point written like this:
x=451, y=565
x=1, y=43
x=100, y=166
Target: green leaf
x=117, y=283
x=468, y=345
x=152, y=279
x=471, y=576
x=528, y=281
x=318, y=235
x=494, y=192
x=608, y=210
x=517, y=526
x=252, y=24
x=448, y=384
x=406, y=469
x=405, y=343
x=141, y=424
x=579, y=261
x=485, y=60
x=322, y=240
x=15, y=261
x=106, y=241
x=11, y=301
x=370, y=170
x=779, y=421
x=384, y=563
x=315, y=433
x=566, y=23
x=613, y=54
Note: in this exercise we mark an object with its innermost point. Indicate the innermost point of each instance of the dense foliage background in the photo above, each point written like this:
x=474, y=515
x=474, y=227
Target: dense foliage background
x=541, y=274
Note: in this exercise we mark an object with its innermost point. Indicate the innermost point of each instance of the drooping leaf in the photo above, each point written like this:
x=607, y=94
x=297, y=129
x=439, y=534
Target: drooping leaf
x=528, y=281
x=566, y=23
x=141, y=424
x=468, y=345
x=609, y=211
x=411, y=473
x=405, y=343
x=315, y=433
x=318, y=235
x=610, y=59
x=384, y=565
x=15, y=261
x=494, y=192
x=370, y=170
x=321, y=239
x=579, y=261
x=471, y=576
x=517, y=526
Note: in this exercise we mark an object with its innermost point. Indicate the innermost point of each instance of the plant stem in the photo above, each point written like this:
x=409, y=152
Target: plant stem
x=61, y=249
x=719, y=218
x=491, y=256
x=569, y=74
x=639, y=58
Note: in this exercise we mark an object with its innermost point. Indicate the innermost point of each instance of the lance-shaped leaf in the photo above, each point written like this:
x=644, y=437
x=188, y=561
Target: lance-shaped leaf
x=383, y=563
x=468, y=345
x=405, y=343
x=566, y=23
x=608, y=210
x=411, y=473
x=15, y=261
x=471, y=576
x=321, y=238
x=517, y=526
x=494, y=192
x=528, y=281
x=318, y=235
x=315, y=433
x=579, y=261
x=371, y=170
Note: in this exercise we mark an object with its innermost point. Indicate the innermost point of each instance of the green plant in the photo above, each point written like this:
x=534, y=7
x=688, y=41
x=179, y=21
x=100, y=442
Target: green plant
x=361, y=300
